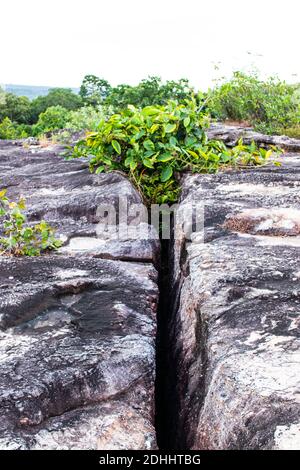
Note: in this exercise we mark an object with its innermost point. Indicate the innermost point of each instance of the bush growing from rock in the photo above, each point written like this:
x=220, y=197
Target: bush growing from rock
x=18, y=238
x=155, y=144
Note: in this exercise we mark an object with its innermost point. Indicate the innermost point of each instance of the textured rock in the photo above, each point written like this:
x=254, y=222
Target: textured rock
x=68, y=196
x=236, y=304
x=231, y=135
x=77, y=332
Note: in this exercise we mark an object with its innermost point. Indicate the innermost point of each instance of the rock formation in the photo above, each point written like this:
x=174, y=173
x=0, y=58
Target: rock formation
x=77, y=340
x=78, y=327
x=235, y=319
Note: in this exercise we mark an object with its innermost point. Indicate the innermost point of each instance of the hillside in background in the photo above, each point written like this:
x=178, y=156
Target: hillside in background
x=30, y=91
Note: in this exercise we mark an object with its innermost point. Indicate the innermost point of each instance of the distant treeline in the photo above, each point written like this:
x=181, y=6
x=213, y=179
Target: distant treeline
x=271, y=105
x=30, y=91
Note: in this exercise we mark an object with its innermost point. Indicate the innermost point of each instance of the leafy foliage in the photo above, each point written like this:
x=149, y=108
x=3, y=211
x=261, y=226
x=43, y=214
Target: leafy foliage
x=10, y=130
x=63, y=97
x=155, y=144
x=271, y=106
x=16, y=108
x=292, y=131
x=94, y=90
x=148, y=92
x=52, y=119
x=268, y=105
x=19, y=238
x=87, y=118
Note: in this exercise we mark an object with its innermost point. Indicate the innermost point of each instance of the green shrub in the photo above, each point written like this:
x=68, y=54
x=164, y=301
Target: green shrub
x=63, y=97
x=18, y=237
x=268, y=105
x=7, y=129
x=87, y=118
x=156, y=143
x=293, y=131
x=54, y=118
x=10, y=130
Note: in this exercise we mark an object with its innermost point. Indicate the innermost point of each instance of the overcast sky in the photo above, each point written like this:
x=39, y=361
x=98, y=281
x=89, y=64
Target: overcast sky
x=57, y=42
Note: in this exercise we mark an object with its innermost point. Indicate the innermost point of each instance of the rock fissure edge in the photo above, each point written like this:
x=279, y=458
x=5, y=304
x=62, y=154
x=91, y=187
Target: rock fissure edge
x=78, y=328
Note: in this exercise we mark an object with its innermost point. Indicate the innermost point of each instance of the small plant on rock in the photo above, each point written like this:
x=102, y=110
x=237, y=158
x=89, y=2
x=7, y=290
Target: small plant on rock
x=17, y=237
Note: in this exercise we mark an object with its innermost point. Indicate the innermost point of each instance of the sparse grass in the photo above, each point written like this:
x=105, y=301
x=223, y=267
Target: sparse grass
x=293, y=131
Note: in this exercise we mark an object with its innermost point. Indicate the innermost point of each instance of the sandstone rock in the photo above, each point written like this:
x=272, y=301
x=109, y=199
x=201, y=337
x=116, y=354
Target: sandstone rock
x=67, y=196
x=231, y=135
x=77, y=332
x=235, y=321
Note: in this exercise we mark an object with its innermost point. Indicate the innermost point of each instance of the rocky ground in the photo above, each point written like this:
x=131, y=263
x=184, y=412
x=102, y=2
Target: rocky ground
x=78, y=327
x=236, y=304
x=77, y=340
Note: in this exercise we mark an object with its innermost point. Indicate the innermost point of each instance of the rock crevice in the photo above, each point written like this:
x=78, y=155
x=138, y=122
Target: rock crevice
x=234, y=334
x=98, y=349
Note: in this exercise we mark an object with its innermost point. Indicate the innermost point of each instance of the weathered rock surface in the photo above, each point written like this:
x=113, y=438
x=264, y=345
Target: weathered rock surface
x=68, y=196
x=231, y=135
x=77, y=332
x=236, y=304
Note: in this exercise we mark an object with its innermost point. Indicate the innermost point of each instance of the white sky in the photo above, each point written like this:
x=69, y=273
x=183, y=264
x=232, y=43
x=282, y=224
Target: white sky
x=57, y=42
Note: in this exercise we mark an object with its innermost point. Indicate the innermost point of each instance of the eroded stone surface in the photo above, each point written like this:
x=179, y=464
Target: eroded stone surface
x=77, y=332
x=68, y=197
x=231, y=135
x=277, y=222
x=236, y=322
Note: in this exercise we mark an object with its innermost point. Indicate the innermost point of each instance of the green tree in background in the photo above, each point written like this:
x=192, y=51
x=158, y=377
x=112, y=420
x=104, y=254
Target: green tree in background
x=148, y=92
x=64, y=97
x=94, y=90
x=54, y=118
x=16, y=108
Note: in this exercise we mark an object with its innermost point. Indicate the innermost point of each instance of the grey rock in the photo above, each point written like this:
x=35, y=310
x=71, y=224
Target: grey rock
x=231, y=135
x=77, y=332
x=235, y=322
x=67, y=196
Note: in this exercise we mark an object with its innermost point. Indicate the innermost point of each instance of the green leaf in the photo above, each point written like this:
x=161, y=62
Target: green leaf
x=165, y=157
x=100, y=169
x=133, y=166
x=150, y=111
x=149, y=145
x=186, y=122
x=128, y=161
x=170, y=128
x=139, y=134
x=149, y=153
x=147, y=163
x=116, y=146
x=173, y=141
x=106, y=160
x=166, y=174
x=154, y=128
x=193, y=154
